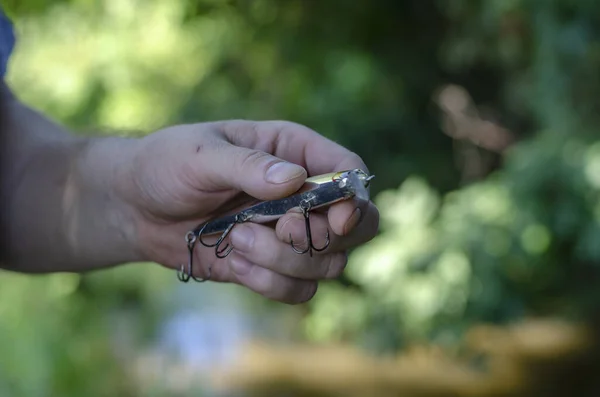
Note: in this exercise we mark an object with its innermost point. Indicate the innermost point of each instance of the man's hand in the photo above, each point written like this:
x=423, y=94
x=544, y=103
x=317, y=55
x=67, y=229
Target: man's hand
x=181, y=176
x=75, y=204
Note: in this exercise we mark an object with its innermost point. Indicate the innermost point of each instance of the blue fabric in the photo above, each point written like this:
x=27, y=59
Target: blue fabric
x=7, y=41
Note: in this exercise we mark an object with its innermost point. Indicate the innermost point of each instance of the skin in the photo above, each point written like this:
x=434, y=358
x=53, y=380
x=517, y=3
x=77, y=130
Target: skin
x=77, y=204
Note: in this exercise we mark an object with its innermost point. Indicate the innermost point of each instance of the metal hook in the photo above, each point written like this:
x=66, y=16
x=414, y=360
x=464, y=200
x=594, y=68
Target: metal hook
x=305, y=206
x=202, y=242
x=190, y=238
x=222, y=238
x=240, y=218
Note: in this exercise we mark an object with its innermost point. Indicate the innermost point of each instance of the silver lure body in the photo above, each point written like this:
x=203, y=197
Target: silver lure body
x=317, y=192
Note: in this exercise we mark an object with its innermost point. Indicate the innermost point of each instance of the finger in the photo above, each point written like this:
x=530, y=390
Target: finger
x=292, y=142
x=260, y=245
x=362, y=232
x=346, y=216
x=270, y=284
x=236, y=269
x=343, y=217
x=253, y=171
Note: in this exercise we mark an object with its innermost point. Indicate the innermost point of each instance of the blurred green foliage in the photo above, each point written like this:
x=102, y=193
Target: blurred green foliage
x=523, y=242
x=518, y=236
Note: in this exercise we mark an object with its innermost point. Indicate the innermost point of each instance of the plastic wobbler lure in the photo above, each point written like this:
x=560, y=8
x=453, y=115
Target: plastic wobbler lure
x=317, y=192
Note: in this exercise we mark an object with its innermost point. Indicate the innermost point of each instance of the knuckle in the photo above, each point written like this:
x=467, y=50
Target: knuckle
x=271, y=258
x=254, y=128
x=262, y=249
x=246, y=129
x=241, y=130
x=251, y=158
x=285, y=124
x=265, y=284
x=285, y=127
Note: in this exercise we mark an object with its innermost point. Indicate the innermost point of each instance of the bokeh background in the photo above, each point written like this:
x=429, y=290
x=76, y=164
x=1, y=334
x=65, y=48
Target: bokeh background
x=481, y=122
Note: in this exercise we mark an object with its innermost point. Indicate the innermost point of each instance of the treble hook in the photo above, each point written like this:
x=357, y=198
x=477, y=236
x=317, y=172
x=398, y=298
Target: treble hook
x=190, y=239
x=305, y=206
x=239, y=218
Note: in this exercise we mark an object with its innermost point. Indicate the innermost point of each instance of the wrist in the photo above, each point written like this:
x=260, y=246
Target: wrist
x=109, y=226
x=60, y=210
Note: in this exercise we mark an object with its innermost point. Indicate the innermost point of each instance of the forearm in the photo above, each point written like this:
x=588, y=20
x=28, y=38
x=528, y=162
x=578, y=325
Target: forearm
x=60, y=211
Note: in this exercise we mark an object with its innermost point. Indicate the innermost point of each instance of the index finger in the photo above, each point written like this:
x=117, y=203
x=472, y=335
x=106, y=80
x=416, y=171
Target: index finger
x=292, y=142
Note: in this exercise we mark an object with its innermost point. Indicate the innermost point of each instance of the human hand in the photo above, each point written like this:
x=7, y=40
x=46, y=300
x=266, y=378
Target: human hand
x=180, y=177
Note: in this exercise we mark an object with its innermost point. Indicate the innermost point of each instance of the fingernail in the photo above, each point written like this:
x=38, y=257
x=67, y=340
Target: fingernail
x=242, y=238
x=282, y=172
x=352, y=221
x=240, y=266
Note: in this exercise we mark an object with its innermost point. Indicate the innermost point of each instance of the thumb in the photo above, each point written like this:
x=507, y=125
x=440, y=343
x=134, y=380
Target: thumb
x=259, y=174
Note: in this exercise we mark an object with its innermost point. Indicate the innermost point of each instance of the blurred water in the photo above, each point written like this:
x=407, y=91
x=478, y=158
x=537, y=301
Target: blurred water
x=206, y=338
x=207, y=331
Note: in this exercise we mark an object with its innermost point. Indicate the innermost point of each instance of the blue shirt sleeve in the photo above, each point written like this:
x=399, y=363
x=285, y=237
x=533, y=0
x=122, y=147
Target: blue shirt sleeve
x=7, y=41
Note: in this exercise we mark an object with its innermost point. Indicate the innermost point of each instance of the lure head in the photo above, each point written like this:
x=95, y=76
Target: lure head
x=358, y=182
x=362, y=176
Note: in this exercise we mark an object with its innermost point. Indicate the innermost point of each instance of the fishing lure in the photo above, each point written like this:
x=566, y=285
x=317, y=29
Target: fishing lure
x=317, y=192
